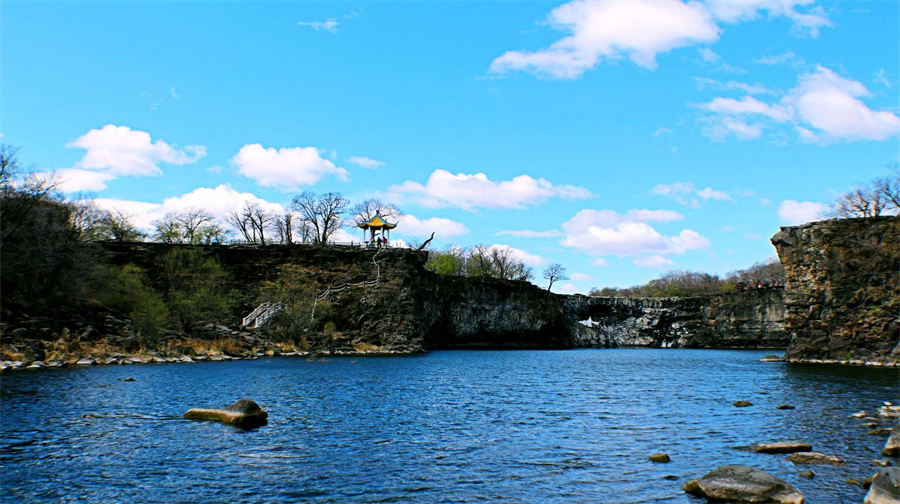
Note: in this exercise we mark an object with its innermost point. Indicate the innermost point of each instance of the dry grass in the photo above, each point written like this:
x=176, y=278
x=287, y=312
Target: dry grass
x=210, y=347
x=363, y=347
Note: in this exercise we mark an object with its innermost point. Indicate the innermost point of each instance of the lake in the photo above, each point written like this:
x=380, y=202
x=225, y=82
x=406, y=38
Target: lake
x=447, y=426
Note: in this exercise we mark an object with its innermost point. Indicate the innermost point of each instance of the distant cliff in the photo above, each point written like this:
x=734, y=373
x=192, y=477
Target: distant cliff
x=842, y=297
x=752, y=319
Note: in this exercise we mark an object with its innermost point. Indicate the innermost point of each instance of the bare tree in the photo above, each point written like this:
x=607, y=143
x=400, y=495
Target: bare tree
x=889, y=187
x=118, y=226
x=193, y=221
x=260, y=219
x=554, y=273
x=21, y=190
x=860, y=202
x=86, y=219
x=321, y=213
x=284, y=224
x=239, y=220
x=365, y=211
x=168, y=229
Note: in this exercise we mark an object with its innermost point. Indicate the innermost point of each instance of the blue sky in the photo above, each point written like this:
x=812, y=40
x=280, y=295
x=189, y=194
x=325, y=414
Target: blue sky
x=621, y=139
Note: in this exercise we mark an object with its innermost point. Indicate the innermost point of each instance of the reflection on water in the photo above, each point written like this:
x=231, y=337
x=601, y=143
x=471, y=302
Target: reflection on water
x=450, y=426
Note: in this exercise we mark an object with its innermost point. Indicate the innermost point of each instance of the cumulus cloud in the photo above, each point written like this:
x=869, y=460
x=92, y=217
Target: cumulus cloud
x=642, y=29
x=801, y=212
x=442, y=228
x=731, y=11
x=604, y=232
x=577, y=277
x=638, y=29
x=567, y=288
x=119, y=150
x=777, y=59
x=707, y=83
x=473, y=191
x=824, y=106
x=75, y=180
x=653, y=261
x=686, y=193
x=219, y=201
x=288, y=168
x=526, y=233
x=366, y=162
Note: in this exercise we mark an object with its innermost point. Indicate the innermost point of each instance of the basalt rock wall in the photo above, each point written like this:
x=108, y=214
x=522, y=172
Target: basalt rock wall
x=752, y=319
x=412, y=309
x=843, y=289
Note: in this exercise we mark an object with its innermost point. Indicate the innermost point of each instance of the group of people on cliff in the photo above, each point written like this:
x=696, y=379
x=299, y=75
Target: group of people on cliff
x=379, y=242
x=758, y=285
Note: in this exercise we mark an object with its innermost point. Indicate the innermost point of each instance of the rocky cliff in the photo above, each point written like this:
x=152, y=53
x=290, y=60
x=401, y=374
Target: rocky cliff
x=739, y=320
x=412, y=309
x=843, y=298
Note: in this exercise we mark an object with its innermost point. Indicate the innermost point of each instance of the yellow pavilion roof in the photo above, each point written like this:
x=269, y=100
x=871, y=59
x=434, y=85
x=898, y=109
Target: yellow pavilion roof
x=378, y=222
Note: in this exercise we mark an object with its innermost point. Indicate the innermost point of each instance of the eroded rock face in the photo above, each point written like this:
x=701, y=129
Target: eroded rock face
x=842, y=295
x=244, y=413
x=737, y=483
x=885, y=487
x=738, y=320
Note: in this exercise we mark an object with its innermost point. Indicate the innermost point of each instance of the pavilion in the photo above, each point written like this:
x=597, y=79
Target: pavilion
x=377, y=225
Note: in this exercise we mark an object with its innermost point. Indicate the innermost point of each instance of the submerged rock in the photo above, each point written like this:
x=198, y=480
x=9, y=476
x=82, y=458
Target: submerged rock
x=782, y=447
x=784, y=406
x=243, y=413
x=892, y=447
x=814, y=458
x=737, y=483
x=742, y=404
x=659, y=457
x=807, y=474
x=880, y=432
x=771, y=358
x=885, y=487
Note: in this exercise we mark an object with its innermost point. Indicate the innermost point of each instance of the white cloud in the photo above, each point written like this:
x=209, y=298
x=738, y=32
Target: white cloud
x=822, y=107
x=829, y=103
x=653, y=261
x=442, y=228
x=752, y=236
x=219, y=201
x=662, y=131
x=287, y=168
x=365, y=162
x=882, y=78
x=686, y=193
x=473, y=191
x=800, y=212
x=119, y=150
x=638, y=29
x=765, y=201
x=709, y=193
x=521, y=255
x=75, y=180
x=604, y=232
x=778, y=59
x=708, y=55
x=567, y=288
x=330, y=25
x=525, y=233
x=601, y=262
x=732, y=11
x=707, y=83
x=174, y=94
x=577, y=277
x=729, y=228
x=642, y=29
x=747, y=105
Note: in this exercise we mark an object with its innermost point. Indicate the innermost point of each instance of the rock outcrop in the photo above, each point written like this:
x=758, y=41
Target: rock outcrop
x=842, y=296
x=885, y=487
x=737, y=483
x=738, y=320
x=244, y=413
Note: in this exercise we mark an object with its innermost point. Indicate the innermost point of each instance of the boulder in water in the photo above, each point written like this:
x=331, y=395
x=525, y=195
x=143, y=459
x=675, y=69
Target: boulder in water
x=892, y=447
x=885, y=487
x=742, y=404
x=737, y=483
x=782, y=447
x=243, y=413
x=659, y=457
x=814, y=458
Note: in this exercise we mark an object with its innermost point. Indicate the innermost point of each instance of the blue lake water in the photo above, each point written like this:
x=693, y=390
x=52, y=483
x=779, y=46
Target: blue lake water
x=448, y=426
